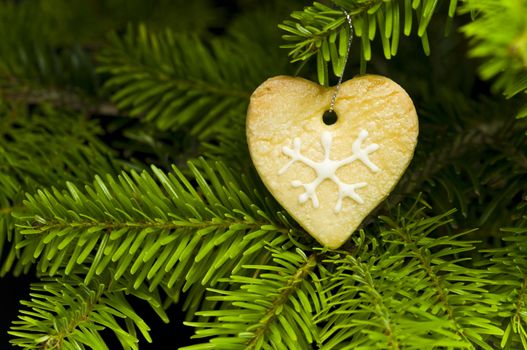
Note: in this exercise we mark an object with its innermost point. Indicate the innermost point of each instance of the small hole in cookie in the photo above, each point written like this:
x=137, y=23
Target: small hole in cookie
x=329, y=117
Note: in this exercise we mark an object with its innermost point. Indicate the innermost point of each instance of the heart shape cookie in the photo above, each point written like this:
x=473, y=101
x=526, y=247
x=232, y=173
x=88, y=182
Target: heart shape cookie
x=330, y=177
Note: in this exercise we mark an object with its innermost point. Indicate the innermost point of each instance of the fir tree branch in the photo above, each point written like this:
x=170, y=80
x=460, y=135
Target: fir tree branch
x=65, y=313
x=280, y=300
x=30, y=63
x=509, y=267
x=381, y=311
x=39, y=149
x=432, y=262
x=504, y=52
x=323, y=31
x=152, y=228
x=479, y=164
x=437, y=283
x=51, y=49
x=272, y=308
x=378, y=310
x=154, y=75
x=57, y=340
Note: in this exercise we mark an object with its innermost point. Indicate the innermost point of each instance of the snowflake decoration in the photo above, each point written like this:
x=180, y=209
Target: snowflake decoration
x=327, y=168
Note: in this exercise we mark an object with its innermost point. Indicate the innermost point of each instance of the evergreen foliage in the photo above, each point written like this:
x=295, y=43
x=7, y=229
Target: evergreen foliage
x=509, y=262
x=125, y=175
x=323, y=31
x=66, y=313
x=505, y=50
x=152, y=229
x=37, y=149
x=168, y=82
x=411, y=292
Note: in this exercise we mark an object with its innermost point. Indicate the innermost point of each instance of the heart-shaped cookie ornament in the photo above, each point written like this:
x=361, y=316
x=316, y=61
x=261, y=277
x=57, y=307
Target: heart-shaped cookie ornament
x=329, y=177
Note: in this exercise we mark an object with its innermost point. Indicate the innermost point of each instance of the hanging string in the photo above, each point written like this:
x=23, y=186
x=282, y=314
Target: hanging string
x=350, y=40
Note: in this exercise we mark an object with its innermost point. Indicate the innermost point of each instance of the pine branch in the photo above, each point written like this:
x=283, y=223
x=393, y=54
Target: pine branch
x=323, y=31
x=272, y=308
x=48, y=50
x=445, y=270
x=503, y=52
x=30, y=63
x=243, y=57
x=509, y=267
x=155, y=76
x=389, y=334
x=264, y=324
x=159, y=228
x=66, y=313
x=412, y=291
x=40, y=149
x=480, y=163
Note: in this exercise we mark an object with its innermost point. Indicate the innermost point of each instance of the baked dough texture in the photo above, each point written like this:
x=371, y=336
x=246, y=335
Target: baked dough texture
x=284, y=108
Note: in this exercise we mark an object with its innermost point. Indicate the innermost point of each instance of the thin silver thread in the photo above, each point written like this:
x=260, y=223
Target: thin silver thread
x=350, y=40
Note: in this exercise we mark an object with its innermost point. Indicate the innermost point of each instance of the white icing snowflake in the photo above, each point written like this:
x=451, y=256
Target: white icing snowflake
x=327, y=168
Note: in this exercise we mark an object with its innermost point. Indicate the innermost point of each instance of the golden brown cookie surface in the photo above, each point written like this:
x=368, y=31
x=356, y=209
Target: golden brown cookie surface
x=329, y=177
